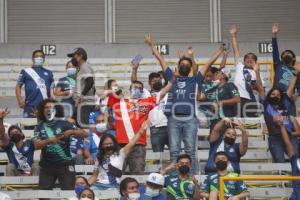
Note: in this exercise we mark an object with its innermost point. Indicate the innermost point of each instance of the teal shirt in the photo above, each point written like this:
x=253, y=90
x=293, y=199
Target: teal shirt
x=183, y=189
x=54, y=154
x=211, y=184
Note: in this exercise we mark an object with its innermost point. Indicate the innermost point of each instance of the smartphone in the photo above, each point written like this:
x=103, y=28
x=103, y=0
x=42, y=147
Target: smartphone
x=137, y=59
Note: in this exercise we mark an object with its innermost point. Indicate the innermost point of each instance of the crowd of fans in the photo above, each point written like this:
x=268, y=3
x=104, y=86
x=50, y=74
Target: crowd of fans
x=80, y=124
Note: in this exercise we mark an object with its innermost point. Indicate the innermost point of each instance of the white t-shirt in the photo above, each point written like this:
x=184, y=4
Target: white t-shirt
x=115, y=160
x=156, y=115
x=239, y=79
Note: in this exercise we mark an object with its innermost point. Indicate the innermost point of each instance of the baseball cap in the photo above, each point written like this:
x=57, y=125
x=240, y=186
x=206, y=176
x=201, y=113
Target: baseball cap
x=156, y=178
x=226, y=72
x=80, y=51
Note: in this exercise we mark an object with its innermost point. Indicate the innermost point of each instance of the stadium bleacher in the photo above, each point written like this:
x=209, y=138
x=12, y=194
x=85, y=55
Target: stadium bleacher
x=256, y=160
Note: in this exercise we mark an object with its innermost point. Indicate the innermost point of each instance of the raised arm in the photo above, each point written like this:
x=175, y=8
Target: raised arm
x=134, y=72
x=275, y=52
x=133, y=141
x=211, y=61
x=215, y=133
x=244, y=143
x=296, y=131
x=224, y=59
x=161, y=60
x=259, y=85
x=192, y=56
x=165, y=90
x=286, y=139
x=4, y=140
x=292, y=85
x=235, y=46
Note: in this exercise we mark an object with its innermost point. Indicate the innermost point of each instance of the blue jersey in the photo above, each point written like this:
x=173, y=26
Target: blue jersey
x=33, y=96
x=270, y=112
x=182, y=97
x=283, y=77
x=76, y=144
x=295, y=163
x=232, y=151
x=54, y=154
x=27, y=150
x=93, y=116
x=177, y=188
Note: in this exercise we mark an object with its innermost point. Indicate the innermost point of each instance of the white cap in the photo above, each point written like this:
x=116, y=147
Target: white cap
x=156, y=178
x=227, y=72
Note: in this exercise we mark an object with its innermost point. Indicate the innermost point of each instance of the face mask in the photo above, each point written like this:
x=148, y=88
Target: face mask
x=151, y=192
x=79, y=188
x=115, y=88
x=287, y=60
x=221, y=165
x=74, y=62
x=85, y=198
x=17, y=138
x=216, y=82
x=184, y=169
x=39, y=61
x=101, y=127
x=51, y=114
x=136, y=93
x=184, y=70
x=274, y=100
x=134, y=196
x=71, y=71
x=157, y=86
x=229, y=140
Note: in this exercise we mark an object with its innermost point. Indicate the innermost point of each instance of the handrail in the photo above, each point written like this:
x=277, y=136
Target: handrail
x=254, y=178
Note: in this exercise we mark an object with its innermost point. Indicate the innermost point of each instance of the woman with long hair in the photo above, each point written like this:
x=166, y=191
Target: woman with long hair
x=110, y=160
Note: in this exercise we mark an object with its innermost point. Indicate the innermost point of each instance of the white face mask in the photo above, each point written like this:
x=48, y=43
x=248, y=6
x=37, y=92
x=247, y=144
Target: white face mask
x=71, y=71
x=101, y=127
x=115, y=88
x=134, y=196
x=85, y=198
x=51, y=114
x=39, y=61
x=151, y=192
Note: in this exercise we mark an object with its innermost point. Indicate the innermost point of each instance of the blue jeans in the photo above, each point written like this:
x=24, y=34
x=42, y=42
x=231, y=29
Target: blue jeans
x=186, y=131
x=277, y=147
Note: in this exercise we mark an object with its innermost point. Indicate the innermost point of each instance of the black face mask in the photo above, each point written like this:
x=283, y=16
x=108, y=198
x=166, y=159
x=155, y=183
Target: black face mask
x=287, y=60
x=184, y=70
x=229, y=140
x=17, y=138
x=74, y=62
x=221, y=165
x=184, y=169
x=157, y=86
x=274, y=100
x=109, y=148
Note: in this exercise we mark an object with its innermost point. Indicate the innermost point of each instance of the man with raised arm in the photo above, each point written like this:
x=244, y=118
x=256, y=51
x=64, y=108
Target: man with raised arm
x=181, y=108
x=245, y=77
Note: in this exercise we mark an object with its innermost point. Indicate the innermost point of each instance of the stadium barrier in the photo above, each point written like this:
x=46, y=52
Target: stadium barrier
x=254, y=178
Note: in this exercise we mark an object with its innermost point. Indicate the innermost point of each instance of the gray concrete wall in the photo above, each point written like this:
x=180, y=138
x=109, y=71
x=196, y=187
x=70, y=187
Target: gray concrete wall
x=130, y=50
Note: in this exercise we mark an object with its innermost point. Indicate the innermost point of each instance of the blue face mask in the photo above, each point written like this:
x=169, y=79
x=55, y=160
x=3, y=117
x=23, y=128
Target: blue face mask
x=71, y=71
x=79, y=188
x=136, y=93
x=39, y=61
